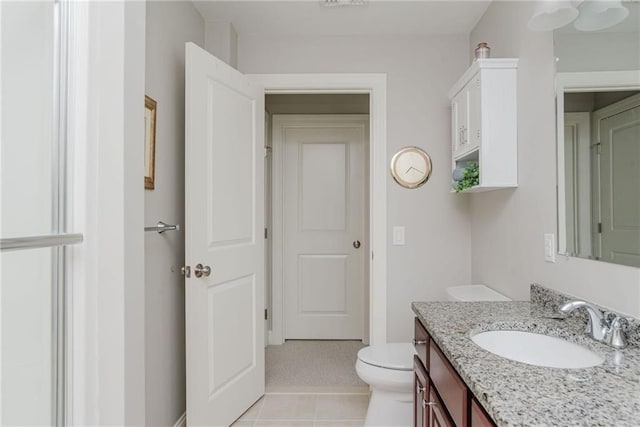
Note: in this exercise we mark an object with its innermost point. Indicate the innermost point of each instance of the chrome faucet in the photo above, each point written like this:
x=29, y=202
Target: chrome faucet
x=604, y=327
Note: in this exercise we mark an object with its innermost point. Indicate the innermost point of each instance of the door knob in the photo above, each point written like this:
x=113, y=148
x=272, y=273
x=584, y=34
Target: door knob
x=356, y=244
x=201, y=270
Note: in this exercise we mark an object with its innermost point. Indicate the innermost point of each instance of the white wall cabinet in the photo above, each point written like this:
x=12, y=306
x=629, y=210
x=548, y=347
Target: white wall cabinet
x=484, y=123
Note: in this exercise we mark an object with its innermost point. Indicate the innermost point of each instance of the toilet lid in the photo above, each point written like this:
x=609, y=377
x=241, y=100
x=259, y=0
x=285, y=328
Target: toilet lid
x=398, y=356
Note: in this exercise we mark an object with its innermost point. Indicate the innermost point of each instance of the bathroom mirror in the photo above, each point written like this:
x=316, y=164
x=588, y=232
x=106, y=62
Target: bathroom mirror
x=598, y=141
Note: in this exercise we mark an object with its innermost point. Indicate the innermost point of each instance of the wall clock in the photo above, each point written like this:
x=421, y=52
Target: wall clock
x=411, y=167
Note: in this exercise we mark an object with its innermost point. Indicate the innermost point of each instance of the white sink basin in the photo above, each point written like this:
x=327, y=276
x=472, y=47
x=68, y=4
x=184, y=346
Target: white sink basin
x=537, y=349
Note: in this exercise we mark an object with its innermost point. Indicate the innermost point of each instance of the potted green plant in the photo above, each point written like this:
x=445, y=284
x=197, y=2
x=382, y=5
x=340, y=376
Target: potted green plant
x=470, y=177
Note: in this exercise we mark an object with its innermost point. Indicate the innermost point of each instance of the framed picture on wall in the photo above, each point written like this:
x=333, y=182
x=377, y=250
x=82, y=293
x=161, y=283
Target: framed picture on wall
x=149, y=142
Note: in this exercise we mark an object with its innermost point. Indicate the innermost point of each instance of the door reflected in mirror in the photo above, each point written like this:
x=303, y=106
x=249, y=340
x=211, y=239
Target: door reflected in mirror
x=602, y=175
x=598, y=140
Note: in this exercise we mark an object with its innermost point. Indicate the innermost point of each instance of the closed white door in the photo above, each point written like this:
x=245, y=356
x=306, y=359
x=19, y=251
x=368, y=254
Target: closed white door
x=620, y=186
x=323, y=224
x=223, y=224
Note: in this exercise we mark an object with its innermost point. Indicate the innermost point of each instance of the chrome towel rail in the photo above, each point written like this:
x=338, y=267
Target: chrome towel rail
x=33, y=242
x=161, y=227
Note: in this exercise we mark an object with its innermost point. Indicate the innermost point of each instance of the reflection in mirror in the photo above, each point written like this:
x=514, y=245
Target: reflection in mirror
x=598, y=120
x=602, y=183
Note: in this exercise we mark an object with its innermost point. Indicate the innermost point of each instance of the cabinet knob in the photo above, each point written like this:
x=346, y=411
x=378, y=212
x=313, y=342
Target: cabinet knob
x=425, y=403
x=419, y=389
x=418, y=342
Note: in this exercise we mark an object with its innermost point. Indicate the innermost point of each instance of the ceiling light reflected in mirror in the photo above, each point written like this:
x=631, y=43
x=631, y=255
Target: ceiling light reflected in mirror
x=586, y=15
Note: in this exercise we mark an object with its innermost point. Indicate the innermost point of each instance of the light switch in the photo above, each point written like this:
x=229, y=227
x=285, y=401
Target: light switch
x=398, y=235
x=549, y=247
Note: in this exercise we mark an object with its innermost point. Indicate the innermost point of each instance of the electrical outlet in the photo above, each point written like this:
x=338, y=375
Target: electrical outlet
x=549, y=247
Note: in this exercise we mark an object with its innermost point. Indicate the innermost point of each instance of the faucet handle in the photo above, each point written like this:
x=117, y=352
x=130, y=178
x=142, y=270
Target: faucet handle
x=608, y=318
x=615, y=336
x=619, y=321
x=612, y=319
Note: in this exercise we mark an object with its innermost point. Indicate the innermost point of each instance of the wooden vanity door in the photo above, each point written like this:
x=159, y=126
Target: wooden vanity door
x=437, y=413
x=478, y=417
x=420, y=394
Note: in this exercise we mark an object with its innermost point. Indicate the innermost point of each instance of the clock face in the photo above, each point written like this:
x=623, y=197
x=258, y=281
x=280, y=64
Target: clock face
x=411, y=167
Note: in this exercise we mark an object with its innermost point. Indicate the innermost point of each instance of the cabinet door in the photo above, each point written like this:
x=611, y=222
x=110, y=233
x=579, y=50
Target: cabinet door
x=474, y=117
x=460, y=125
x=420, y=394
x=451, y=388
x=438, y=416
x=478, y=417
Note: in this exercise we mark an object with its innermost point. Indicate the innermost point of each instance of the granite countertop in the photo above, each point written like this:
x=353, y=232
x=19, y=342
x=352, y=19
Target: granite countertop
x=518, y=394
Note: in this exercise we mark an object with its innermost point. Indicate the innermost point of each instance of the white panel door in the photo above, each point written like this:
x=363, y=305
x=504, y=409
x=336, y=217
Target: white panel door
x=323, y=225
x=223, y=224
x=620, y=187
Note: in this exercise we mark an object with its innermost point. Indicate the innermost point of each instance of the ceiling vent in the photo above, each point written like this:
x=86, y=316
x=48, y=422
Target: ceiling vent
x=334, y=3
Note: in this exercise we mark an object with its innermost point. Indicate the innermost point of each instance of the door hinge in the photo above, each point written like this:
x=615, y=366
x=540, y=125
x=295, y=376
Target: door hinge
x=266, y=233
x=185, y=270
x=266, y=314
x=371, y=255
x=599, y=228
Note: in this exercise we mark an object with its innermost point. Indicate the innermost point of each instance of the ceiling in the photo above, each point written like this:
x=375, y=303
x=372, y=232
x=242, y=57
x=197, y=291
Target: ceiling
x=374, y=17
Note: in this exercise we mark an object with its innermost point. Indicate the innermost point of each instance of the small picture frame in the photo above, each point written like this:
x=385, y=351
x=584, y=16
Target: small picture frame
x=149, y=142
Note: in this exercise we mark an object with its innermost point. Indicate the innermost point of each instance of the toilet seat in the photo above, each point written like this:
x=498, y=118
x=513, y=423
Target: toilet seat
x=392, y=356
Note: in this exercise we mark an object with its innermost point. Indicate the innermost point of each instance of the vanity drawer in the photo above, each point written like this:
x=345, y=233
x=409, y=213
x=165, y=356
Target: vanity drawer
x=450, y=387
x=421, y=343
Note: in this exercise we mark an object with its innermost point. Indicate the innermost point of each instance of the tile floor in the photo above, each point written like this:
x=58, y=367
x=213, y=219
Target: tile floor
x=308, y=410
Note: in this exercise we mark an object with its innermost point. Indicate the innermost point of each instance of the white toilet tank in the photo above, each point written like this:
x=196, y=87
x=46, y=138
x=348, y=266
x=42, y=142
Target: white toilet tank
x=474, y=293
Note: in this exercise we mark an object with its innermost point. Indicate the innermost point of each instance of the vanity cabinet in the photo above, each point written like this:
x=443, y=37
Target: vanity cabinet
x=441, y=398
x=484, y=123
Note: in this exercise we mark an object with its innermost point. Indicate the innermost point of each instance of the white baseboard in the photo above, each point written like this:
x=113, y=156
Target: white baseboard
x=182, y=421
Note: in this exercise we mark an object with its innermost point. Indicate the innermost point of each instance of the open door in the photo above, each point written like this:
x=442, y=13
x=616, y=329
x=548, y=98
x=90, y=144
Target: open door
x=224, y=245
x=619, y=138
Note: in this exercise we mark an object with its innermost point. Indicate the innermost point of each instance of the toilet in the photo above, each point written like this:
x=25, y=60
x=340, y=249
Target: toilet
x=474, y=293
x=388, y=369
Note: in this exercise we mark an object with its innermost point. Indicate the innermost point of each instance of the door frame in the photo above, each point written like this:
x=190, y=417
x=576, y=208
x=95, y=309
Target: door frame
x=579, y=192
x=375, y=85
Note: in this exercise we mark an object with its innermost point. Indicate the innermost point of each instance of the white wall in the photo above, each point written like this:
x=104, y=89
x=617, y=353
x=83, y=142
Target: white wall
x=107, y=349
x=26, y=299
x=615, y=51
x=221, y=40
x=169, y=26
x=508, y=226
x=420, y=72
